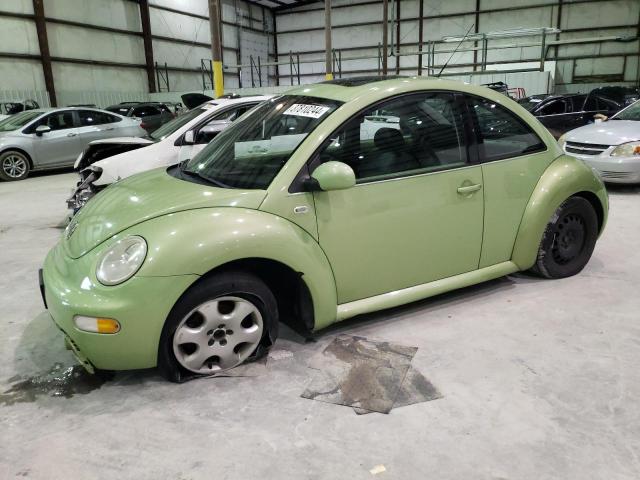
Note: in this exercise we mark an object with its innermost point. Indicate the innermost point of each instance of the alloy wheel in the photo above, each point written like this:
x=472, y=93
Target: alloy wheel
x=14, y=165
x=218, y=335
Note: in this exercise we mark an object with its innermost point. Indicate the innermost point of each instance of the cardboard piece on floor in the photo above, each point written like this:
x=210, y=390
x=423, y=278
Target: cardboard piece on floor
x=357, y=372
x=415, y=389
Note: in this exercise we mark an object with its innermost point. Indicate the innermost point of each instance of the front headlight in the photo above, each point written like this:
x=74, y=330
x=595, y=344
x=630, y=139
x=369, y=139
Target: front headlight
x=562, y=141
x=630, y=149
x=122, y=260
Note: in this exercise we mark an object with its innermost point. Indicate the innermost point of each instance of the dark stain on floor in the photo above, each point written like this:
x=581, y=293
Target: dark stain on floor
x=59, y=381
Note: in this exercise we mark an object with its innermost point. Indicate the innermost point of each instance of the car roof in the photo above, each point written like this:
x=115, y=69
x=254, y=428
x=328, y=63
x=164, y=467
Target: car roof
x=359, y=88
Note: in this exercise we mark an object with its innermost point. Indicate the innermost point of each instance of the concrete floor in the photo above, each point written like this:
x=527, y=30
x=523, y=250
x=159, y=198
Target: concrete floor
x=540, y=381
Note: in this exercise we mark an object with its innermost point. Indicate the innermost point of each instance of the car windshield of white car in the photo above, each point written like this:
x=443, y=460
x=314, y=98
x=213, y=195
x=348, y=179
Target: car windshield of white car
x=632, y=112
x=170, y=127
x=18, y=120
x=251, y=152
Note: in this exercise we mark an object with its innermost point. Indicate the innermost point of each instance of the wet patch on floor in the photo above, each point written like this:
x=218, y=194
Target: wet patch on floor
x=361, y=373
x=59, y=381
x=415, y=389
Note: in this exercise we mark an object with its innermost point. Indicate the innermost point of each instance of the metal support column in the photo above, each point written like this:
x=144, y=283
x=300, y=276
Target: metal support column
x=420, y=36
x=397, y=42
x=327, y=41
x=215, y=25
x=385, y=32
x=148, y=45
x=43, y=42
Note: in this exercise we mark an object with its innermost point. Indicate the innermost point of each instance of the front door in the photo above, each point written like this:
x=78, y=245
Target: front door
x=416, y=212
x=61, y=145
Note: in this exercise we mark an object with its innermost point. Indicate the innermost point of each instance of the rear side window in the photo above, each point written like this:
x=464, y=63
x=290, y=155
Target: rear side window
x=90, y=117
x=554, y=107
x=145, y=111
x=502, y=134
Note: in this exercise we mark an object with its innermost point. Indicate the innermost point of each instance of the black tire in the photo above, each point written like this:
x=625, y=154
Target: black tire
x=14, y=165
x=568, y=240
x=233, y=283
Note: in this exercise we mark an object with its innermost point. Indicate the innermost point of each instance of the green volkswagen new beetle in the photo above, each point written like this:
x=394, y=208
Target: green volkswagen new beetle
x=330, y=201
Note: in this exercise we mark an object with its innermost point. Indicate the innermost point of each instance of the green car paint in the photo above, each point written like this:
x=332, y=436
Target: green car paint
x=351, y=246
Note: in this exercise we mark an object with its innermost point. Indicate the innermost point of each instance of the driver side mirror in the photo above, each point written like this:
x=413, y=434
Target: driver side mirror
x=208, y=132
x=188, y=138
x=42, y=129
x=332, y=176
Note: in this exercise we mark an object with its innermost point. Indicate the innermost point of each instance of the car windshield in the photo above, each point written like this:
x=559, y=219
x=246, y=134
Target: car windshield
x=178, y=122
x=251, y=152
x=529, y=103
x=632, y=112
x=18, y=120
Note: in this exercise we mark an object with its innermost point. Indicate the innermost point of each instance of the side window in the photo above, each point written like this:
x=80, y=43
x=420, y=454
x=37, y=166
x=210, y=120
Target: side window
x=502, y=133
x=57, y=121
x=407, y=135
x=112, y=118
x=145, y=111
x=554, y=107
x=90, y=117
x=591, y=105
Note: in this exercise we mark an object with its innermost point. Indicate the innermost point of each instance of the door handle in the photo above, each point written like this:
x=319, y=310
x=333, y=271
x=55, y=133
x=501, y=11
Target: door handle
x=467, y=189
x=71, y=134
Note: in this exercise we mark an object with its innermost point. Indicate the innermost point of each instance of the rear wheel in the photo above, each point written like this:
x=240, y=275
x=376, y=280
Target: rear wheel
x=14, y=165
x=568, y=240
x=217, y=325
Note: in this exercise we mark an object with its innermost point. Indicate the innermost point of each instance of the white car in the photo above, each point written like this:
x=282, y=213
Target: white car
x=107, y=161
x=611, y=147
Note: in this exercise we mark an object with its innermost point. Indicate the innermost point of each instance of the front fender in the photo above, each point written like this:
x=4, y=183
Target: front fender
x=566, y=176
x=200, y=240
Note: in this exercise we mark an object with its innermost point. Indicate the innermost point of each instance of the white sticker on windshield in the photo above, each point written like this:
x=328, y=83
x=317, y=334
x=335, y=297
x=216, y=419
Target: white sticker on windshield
x=302, y=110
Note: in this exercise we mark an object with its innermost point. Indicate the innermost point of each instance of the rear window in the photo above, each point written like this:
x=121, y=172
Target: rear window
x=119, y=110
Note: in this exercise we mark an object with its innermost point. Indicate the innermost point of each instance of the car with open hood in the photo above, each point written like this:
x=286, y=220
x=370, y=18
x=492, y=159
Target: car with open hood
x=107, y=161
x=611, y=147
x=298, y=213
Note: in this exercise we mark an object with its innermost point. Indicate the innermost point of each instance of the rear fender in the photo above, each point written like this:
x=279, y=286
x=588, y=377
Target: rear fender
x=565, y=177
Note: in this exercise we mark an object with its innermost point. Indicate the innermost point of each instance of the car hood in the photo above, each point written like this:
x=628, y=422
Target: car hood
x=123, y=141
x=611, y=132
x=141, y=198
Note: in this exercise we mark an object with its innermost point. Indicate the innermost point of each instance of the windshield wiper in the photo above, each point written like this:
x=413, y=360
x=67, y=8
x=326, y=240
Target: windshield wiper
x=182, y=165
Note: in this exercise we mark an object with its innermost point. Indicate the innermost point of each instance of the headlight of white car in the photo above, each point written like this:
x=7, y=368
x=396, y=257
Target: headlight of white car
x=122, y=260
x=562, y=141
x=630, y=149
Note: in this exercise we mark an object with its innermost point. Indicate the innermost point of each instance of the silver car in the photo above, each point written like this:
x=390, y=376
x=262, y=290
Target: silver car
x=611, y=147
x=53, y=138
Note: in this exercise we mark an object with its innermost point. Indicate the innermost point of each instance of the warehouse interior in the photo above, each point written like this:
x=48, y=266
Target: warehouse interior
x=509, y=376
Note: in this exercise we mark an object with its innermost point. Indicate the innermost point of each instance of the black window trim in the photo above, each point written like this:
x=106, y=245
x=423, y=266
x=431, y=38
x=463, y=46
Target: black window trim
x=478, y=138
x=298, y=183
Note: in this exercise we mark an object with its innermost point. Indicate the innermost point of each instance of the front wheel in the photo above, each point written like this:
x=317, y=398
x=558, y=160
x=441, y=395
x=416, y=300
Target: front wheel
x=568, y=240
x=218, y=324
x=14, y=165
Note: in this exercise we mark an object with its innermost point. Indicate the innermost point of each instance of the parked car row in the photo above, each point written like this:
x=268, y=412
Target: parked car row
x=326, y=202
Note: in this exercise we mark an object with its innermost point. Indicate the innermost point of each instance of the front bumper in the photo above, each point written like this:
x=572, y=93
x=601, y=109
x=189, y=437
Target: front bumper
x=613, y=169
x=141, y=305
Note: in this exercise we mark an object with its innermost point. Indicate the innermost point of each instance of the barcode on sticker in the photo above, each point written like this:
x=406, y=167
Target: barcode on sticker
x=303, y=110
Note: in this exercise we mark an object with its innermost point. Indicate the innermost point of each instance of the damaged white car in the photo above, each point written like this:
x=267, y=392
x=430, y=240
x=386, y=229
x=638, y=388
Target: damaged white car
x=107, y=161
